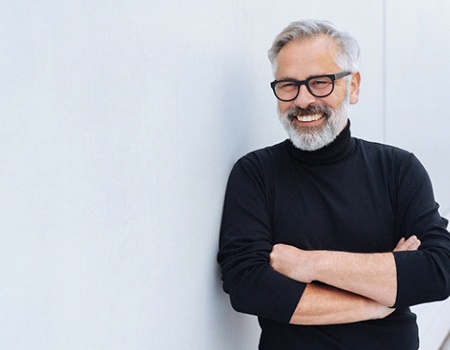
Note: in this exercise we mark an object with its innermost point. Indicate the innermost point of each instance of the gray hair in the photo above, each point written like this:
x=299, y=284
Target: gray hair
x=347, y=56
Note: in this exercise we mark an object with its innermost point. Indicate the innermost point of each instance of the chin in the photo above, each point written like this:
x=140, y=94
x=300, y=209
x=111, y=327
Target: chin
x=314, y=138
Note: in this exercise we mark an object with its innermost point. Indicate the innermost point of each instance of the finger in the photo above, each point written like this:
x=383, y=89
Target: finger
x=415, y=245
x=412, y=243
x=399, y=245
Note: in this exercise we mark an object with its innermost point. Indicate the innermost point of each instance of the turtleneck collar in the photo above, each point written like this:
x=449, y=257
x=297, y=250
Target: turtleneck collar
x=340, y=148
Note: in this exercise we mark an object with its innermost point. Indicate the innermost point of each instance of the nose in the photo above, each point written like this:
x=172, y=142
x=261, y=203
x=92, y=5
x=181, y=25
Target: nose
x=304, y=98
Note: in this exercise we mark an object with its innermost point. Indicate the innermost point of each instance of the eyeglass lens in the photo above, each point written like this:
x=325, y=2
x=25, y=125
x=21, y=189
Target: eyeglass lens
x=319, y=87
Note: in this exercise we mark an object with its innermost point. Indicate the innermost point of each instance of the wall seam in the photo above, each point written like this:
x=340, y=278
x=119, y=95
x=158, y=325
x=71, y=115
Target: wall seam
x=384, y=73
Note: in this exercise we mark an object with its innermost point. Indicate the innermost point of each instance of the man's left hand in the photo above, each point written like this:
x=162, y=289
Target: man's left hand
x=293, y=262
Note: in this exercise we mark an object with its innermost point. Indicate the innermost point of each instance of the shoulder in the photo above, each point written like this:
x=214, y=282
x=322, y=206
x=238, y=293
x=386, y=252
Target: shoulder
x=380, y=149
x=264, y=157
x=399, y=160
x=389, y=154
x=259, y=166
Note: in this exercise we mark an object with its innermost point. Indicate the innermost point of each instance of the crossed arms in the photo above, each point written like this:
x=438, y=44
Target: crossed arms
x=357, y=287
x=286, y=284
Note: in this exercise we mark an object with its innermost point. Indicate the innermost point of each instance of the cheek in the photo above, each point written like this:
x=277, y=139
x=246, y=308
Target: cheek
x=332, y=102
x=283, y=107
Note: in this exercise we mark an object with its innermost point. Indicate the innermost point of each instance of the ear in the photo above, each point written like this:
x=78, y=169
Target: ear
x=354, y=88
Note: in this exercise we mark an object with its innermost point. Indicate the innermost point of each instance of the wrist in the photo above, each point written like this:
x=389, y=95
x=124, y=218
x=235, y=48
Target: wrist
x=317, y=264
x=382, y=311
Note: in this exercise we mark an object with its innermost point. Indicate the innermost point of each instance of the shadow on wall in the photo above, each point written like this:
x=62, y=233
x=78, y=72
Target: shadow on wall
x=233, y=330
x=238, y=129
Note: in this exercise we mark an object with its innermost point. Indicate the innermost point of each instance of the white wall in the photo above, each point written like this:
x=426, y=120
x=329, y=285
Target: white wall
x=120, y=123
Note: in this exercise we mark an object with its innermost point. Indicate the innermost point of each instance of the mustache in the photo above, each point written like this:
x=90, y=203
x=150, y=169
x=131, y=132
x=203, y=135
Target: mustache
x=298, y=111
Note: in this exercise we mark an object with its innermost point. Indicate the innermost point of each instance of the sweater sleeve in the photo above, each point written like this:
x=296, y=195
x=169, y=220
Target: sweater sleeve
x=423, y=275
x=245, y=244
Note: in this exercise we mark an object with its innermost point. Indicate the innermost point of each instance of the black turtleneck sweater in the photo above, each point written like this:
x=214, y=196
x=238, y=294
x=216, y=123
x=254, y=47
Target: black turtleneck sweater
x=353, y=196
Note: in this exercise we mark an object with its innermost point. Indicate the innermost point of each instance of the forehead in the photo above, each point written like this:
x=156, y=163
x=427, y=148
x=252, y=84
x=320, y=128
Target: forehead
x=301, y=59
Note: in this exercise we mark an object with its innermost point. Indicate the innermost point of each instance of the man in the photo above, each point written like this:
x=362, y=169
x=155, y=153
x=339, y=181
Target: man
x=327, y=238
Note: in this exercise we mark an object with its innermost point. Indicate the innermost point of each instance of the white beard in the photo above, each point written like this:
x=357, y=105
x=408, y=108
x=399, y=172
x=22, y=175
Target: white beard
x=314, y=138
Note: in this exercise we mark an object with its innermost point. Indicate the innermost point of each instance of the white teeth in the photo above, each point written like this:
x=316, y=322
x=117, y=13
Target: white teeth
x=309, y=118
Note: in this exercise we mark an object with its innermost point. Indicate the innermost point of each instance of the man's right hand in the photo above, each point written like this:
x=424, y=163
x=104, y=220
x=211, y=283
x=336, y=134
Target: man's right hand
x=412, y=243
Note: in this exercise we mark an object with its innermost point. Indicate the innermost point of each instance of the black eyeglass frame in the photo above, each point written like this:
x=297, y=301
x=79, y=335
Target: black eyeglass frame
x=299, y=83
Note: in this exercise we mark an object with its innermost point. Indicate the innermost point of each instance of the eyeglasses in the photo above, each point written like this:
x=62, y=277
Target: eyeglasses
x=319, y=86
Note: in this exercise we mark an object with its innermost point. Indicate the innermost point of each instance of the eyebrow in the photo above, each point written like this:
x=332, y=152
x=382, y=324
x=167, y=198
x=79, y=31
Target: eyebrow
x=308, y=77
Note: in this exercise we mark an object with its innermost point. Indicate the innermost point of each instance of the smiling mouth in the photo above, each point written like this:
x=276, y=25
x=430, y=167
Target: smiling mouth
x=309, y=117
